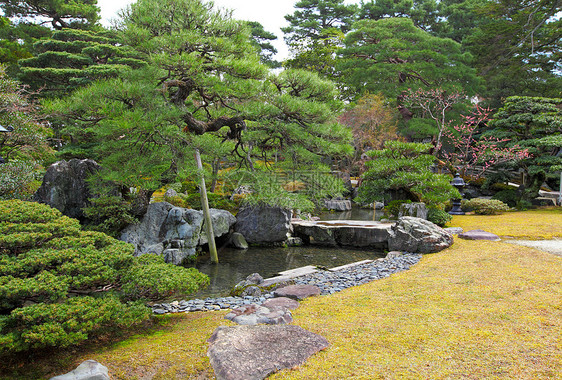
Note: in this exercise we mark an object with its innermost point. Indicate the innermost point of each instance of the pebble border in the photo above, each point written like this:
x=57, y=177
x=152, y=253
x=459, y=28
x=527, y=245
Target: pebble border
x=328, y=281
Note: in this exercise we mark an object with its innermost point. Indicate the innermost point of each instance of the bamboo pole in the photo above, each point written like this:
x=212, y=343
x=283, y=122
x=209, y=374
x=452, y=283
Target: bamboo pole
x=206, y=212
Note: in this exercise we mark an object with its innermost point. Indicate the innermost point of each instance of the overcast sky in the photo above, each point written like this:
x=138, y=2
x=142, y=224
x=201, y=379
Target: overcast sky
x=270, y=13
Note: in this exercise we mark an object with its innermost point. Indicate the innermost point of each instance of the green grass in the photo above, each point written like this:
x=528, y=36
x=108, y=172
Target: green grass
x=478, y=310
x=538, y=224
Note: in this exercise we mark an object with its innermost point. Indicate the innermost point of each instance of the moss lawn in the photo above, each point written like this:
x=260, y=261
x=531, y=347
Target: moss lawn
x=478, y=310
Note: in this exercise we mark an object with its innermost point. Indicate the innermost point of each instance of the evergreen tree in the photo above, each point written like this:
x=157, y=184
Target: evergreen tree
x=423, y=13
x=58, y=14
x=535, y=124
x=72, y=58
x=517, y=48
x=202, y=78
x=262, y=40
x=316, y=32
x=25, y=148
x=392, y=55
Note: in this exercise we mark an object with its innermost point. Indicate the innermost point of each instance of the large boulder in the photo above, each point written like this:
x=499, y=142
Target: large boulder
x=174, y=232
x=88, y=370
x=263, y=224
x=65, y=188
x=222, y=221
x=254, y=352
x=418, y=235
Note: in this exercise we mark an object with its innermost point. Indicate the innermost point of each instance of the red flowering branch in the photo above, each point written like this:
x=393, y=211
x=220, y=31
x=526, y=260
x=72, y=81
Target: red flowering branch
x=478, y=155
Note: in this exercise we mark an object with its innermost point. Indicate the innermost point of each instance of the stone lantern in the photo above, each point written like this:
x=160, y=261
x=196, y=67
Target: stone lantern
x=459, y=184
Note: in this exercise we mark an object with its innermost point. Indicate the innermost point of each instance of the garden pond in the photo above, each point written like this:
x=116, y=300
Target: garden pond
x=235, y=265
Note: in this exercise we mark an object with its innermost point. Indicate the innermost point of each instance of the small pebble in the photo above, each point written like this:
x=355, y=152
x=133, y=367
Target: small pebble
x=329, y=282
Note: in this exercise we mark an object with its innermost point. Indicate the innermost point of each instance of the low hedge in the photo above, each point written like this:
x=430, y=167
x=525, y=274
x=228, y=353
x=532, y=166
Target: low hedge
x=60, y=285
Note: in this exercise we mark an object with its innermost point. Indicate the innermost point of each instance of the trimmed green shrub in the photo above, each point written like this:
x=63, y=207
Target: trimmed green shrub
x=483, y=206
x=406, y=167
x=109, y=214
x=508, y=196
x=438, y=216
x=60, y=285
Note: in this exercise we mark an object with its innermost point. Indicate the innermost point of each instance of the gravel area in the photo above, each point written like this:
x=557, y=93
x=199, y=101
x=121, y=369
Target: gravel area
x=328, y=281
x=550, y=246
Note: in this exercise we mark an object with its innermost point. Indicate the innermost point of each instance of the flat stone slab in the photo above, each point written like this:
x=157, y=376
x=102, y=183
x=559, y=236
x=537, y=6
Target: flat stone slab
x=297, y=292
x=550, y=246
x=351, y=233
x=297, y=272
x=88, y=370
x=254, y=352
x=454, y=230
x=254, y=314
x=479, y=235
x=281, y=302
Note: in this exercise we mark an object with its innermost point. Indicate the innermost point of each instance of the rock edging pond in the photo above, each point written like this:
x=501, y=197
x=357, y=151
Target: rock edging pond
x=329, y=282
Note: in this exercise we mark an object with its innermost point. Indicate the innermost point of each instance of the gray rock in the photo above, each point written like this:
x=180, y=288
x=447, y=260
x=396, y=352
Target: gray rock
x=254, y=352
x=237, y=240
x=88, y=370
x=351, y=233
x=378, y=205
x=297, y=292
x=170, y=193
x=416, y=209
x=338, y=205
x=65, y=188
x=393, y=254
x=249, y=287
x=263, y=224
x=454, y=230
x=174, y=232
x=479, y=235
x=254, y=314
x=418, y=235
x=222, y=221
x=281, y=302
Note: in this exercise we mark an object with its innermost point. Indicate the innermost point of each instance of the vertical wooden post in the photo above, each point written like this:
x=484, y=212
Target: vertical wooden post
x=206, y=212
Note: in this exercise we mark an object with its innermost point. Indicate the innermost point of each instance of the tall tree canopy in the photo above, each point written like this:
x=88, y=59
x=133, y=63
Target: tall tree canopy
x=536, y=124
x=517, y=48
x=391, y=55
x=203, y=77
x=315, y=33
x=56, y=13
x=424, y=13
x=72, y=57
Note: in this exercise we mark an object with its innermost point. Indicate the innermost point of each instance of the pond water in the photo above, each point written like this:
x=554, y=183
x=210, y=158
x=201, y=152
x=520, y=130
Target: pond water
x=235, y=265
x=355, y=213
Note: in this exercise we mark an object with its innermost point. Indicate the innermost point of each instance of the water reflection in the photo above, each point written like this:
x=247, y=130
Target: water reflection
x=353, y=214
x=235, y=265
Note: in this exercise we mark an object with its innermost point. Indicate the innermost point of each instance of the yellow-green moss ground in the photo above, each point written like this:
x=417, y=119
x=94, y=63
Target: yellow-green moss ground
x=478, y=310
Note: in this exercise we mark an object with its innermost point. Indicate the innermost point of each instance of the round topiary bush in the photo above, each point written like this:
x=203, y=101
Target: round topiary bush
x=483, y=206
x=60, y=285
x=438, y=216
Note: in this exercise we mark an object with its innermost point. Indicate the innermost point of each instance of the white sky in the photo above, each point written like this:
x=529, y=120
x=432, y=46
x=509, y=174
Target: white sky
x=270, y=13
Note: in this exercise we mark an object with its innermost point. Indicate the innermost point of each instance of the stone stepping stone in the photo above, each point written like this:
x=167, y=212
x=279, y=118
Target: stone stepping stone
x=288, y=303
x=479, y=235
x=254, y=352
x=297, y=292
x=254, y=314
x=88, y=370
